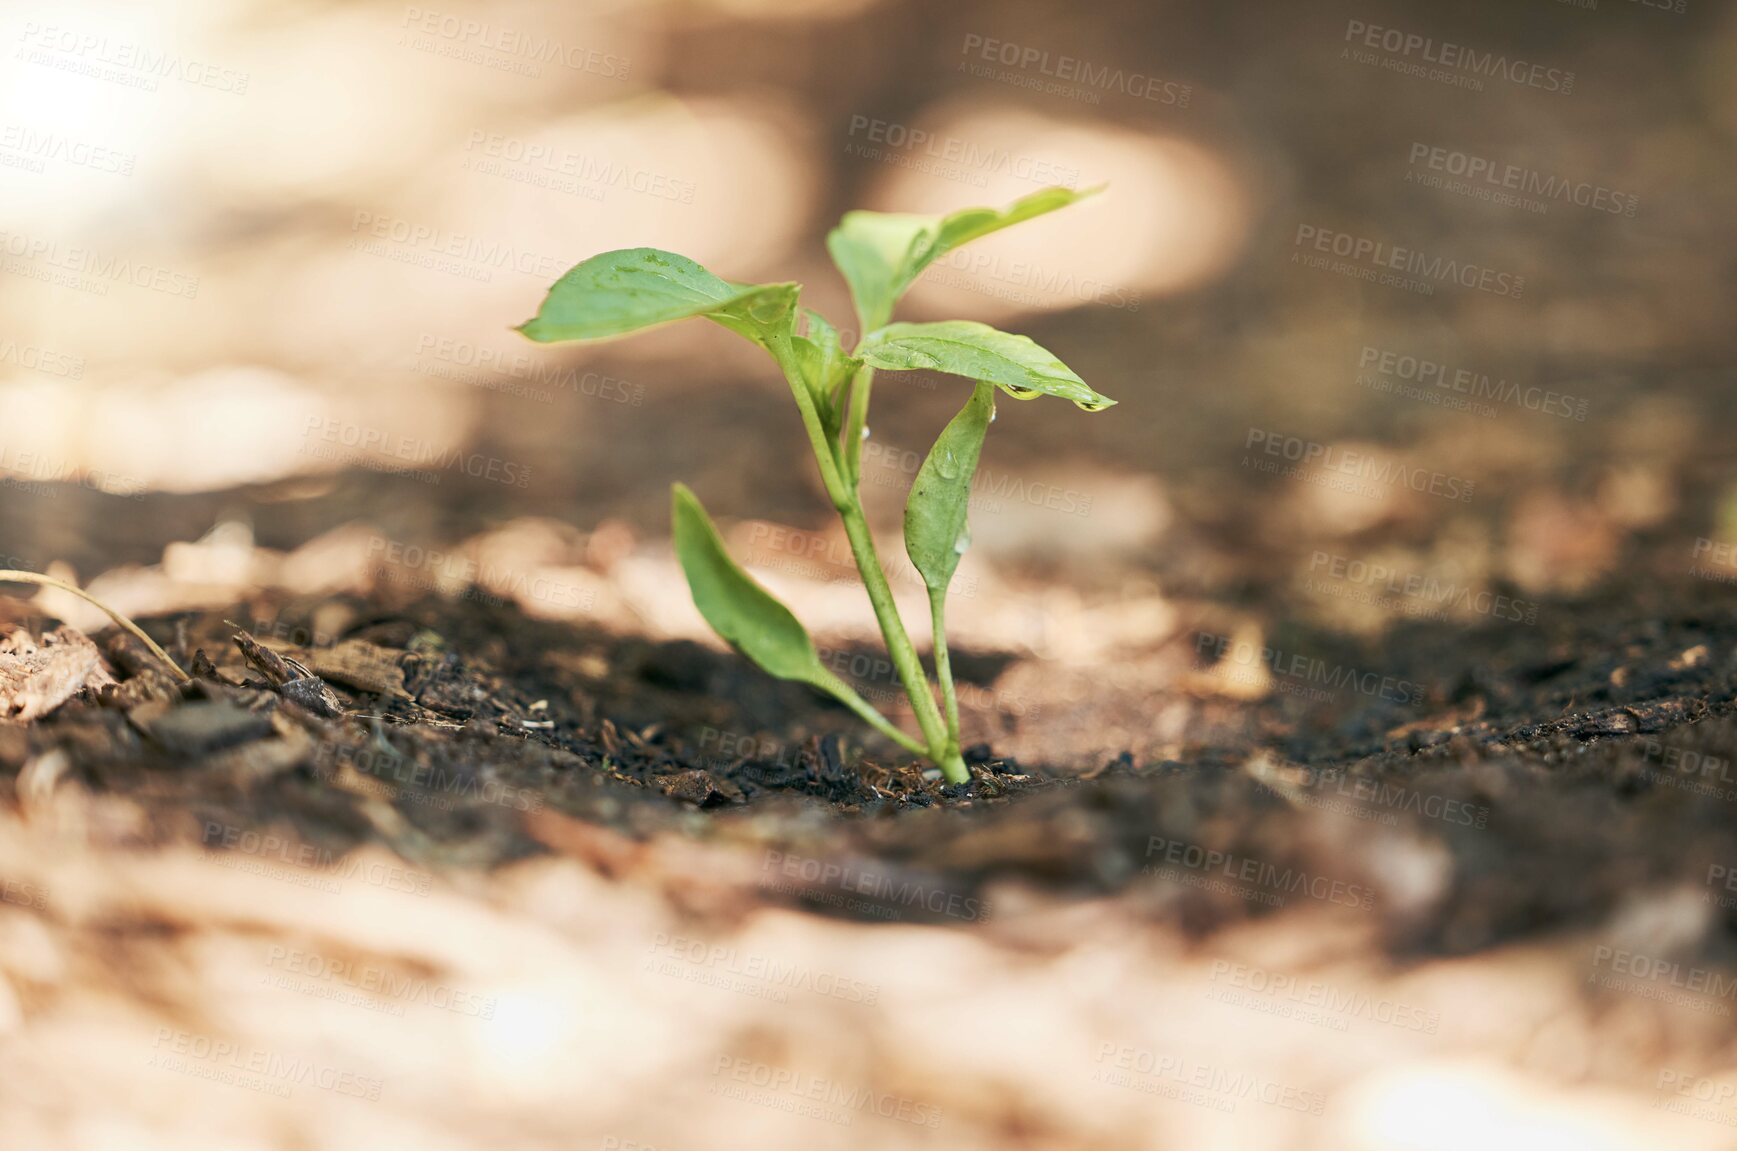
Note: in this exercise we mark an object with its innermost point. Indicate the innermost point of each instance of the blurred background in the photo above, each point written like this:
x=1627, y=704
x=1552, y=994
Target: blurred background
x=261, y=261
x=1419, y=317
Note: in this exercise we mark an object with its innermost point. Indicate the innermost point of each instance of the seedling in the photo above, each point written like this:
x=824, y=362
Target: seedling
x=880, y=256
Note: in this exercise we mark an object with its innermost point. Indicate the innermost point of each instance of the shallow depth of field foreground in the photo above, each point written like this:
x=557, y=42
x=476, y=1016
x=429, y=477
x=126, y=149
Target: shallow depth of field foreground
x=1348, y=710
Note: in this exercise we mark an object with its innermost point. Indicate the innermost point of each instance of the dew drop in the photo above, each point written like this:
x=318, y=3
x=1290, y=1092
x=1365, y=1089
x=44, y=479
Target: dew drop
x=865, y=431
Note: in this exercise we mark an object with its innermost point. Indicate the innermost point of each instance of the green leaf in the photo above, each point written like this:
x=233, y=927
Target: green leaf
x=969, y=224
x=824, y=356
x=876, y=252
x=752, y=620
x=882, y=253
x=763, y=313
x=740, y=610
x=1015, y=364
x=936, y=533
x=623, y=291
x=825, y=367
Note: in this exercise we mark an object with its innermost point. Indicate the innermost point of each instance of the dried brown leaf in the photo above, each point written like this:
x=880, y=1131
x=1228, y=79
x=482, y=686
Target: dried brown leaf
x=37, y=677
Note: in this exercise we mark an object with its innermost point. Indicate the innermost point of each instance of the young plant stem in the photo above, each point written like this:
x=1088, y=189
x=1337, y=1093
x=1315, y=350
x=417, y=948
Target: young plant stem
x=856, y=420
x=943, y=666
x=123, y=621
x=899, y=646
x=846, y=695
x=846, y=502
x=851, y=442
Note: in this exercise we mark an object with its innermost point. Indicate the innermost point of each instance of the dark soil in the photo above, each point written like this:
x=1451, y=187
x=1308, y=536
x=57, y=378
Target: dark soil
x=1544, y=777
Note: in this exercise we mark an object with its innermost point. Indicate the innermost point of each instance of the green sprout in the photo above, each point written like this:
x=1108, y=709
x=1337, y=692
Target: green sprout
x=880, y=255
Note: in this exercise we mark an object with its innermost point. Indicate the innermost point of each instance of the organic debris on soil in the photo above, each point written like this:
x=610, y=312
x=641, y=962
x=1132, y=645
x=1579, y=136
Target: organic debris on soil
x=1537, y=784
